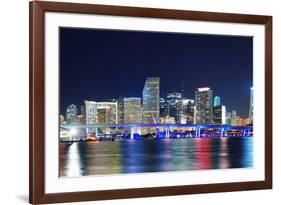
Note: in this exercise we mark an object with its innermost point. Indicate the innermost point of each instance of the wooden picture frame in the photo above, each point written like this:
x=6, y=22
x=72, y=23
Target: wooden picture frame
x=37, y=194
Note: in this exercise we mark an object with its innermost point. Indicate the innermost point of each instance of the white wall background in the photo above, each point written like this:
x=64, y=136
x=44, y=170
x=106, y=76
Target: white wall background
x=14, y=100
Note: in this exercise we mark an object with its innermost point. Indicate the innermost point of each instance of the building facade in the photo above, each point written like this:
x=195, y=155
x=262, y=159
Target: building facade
x=186, y=111
x=219, y=115
x=120, y=107
x=173, y=102
x=250, y=119
x=150, y=104
x=101, y=112
x=217, y=101
x=163, y=112
x=204, y=105
x=71, y=114
x=132, y=111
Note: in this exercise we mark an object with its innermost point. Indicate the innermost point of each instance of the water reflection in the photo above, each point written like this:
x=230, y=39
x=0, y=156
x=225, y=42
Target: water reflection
x=81, y=159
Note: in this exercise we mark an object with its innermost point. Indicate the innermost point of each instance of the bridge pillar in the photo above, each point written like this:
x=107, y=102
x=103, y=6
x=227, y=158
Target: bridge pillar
x=249, y=132
x=244, y=132
x=132, y=133
x=167, y=132
x=97, y=132
x=222, y=132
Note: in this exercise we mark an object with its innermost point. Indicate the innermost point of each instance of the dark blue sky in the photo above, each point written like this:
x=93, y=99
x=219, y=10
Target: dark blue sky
x=103, y=64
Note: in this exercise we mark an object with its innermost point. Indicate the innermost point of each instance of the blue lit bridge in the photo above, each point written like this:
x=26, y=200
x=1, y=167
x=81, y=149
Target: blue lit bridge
x=162, y=131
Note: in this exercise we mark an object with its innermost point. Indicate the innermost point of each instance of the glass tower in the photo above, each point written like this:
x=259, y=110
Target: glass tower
x=71, y=114
x=217, y=101
x=150, y=104
x=251, y=107
x=204, y=105
x=173, y=102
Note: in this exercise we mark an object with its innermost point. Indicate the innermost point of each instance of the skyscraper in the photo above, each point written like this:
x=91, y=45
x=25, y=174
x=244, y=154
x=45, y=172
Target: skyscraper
x=233, y=118
x=217, y=101
x=150, y=104
x=204, y=105
x=132, y=110
x=173, y=100
x=82, y=116
x=250, y=119
x=163, y=108
x=219, y=115
x=186, y=111
x=120, y=106
x=71, y=114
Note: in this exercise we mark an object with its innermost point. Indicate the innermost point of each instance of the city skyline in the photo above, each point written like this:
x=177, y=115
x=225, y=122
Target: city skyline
x=152, y=109
x=84, y=79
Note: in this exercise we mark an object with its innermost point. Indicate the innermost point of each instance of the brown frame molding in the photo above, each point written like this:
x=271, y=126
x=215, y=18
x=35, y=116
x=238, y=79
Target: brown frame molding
x=37, y=193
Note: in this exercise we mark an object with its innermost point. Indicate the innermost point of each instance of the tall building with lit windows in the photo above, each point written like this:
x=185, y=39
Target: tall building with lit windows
x=163, y=106
x=219, y=115
x=132, y=111
x=204, y=105
x=71, y=114
x=186, y=111
x=250, y=119
x=217, y=101
x=120, y=108
x=150, y=103
x=101, y=112
x=173, y=101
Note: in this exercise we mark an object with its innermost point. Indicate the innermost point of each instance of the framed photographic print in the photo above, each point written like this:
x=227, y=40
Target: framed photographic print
x=139, y=102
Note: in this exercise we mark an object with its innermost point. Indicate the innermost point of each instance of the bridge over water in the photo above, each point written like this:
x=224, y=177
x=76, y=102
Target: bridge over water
x=165, y=130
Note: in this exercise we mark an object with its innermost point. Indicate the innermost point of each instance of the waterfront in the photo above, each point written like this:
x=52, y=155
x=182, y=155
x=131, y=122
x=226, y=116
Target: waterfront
x=142, y=156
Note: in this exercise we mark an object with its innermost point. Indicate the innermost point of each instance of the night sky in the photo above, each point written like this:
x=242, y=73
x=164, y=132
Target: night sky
x=104, y=64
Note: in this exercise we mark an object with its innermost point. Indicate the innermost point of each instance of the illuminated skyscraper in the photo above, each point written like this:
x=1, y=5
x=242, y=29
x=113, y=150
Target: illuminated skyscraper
x=132, y=110
x=219, y=115
x=163, y=106
x=150, y=104
x=186, y=111
x=217, y=101
x=251, y=107
x=120, y=105
x=233, y=118
x=228, y=118
x=101, y=112
x=173, y=100
x=204, y=105
x=71, y=114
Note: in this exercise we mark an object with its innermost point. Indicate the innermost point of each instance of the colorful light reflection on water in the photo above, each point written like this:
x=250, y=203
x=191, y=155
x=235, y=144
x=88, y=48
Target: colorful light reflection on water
x=82, y=159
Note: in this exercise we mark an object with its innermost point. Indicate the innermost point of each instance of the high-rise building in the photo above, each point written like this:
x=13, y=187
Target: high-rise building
x=186, y=111
x=219, y=115
x=233, y=118
x=101, y=112
x=173, y=101
x=82, y=116
x=251, y=107
x=228, y=118
x=120, y=105
x=132, y=110
x=204, y=105
x=217, y=101
x=71, y=114
x=150, y=104
x=163, y=108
